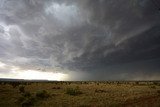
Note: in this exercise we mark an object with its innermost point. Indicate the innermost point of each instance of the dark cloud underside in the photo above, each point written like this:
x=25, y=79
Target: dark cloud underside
x=107, y=39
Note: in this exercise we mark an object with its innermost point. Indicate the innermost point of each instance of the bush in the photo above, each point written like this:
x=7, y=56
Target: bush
x=21, y=99
x=153, y=87
x=21, y=89
x=100, y=91
x=42, y=94
x=15, y=84
x=28, y=102
x=158, y=91
x=27, y=94
x=26, y=99
x=56, y=88
x=73, y=91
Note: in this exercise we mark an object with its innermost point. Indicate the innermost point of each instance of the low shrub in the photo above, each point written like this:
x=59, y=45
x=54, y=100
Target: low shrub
x=14, y=84
x=21, y=88
x=21, y=99
x=100, y=91
x=158, y=91
x=27, y=94
x=153, y=87
x=73, y=91
x=26, y=99
x=137, y=82
x=56, y=88
x=28, y=102
x=42, y=94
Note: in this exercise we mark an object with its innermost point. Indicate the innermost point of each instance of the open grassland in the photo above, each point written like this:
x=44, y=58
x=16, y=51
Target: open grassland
x=80, y=94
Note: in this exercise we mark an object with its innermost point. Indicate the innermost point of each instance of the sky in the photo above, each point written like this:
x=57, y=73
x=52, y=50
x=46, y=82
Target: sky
x=80, y=39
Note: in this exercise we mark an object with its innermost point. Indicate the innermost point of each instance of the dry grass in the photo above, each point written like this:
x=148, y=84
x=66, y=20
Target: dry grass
x=93, y=94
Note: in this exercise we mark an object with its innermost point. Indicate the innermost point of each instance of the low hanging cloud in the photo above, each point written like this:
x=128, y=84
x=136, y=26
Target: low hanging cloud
x=87, y=39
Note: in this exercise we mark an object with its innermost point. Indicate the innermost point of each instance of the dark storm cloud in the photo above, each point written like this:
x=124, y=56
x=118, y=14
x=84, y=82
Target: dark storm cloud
x=92, y=36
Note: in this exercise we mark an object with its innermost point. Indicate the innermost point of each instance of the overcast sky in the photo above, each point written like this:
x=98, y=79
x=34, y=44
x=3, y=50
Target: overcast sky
x=80, y=39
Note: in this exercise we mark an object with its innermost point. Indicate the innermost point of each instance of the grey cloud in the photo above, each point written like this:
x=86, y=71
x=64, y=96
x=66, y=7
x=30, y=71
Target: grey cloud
x=79, y=35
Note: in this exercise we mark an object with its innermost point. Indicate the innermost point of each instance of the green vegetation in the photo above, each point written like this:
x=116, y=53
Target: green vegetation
x=42, y=94
x=29, y=99
x=73, y=91
x=21, y=89
x=26, y=101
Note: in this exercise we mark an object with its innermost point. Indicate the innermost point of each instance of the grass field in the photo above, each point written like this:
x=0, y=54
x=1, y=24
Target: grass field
x=80, y=94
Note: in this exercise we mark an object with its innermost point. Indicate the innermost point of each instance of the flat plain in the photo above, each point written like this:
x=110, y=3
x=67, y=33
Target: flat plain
x=80, y=94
